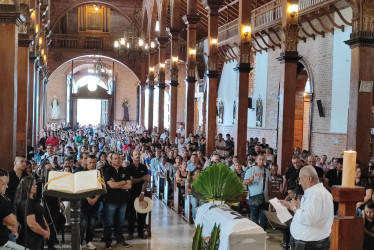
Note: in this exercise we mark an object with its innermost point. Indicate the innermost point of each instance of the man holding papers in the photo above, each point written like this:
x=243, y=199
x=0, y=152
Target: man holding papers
x=118, y=185
x=314, y=215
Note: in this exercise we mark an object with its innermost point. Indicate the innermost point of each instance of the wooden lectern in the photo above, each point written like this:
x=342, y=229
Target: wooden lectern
x=75, y=211
x=347, y=229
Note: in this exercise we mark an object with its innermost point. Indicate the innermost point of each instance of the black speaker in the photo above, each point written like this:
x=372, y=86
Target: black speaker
x=250, y=102
x=320, y=108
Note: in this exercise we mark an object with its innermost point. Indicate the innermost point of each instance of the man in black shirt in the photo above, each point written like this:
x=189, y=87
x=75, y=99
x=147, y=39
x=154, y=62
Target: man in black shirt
x=89, y=210
x=7, y=218
x=146, y=140
x=291, y=177
x=139, y=179
x=118, y=185
x=15, y=176
x=312, y=162
x=334, y=177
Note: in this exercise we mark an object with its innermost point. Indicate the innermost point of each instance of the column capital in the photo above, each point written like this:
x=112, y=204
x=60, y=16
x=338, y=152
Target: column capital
x=361, y=39
x=212, y=74
x=162, y=41
x=161, y=85
x=289, y=57
x=10, y=13
x=24, y=40
x=243, y=68
x=190, y=80
x=213, y=6
x=191, y=18
x=174, y=32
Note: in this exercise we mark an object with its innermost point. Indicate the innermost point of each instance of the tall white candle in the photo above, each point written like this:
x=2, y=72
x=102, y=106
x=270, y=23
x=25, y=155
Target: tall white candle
x=349, y=168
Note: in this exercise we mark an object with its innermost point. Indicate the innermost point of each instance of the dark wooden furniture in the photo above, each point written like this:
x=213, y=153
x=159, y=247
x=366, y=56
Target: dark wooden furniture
x=347, y=229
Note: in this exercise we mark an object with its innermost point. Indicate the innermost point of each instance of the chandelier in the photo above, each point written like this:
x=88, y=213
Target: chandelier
x=100, y=70
x=132, y=45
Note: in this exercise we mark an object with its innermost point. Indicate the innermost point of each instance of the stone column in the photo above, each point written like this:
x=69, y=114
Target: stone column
x=162, y=40
x=36, y=125
x=10, y=20
x=191, y=20
x=174, y=33
x=288, y=59
x=212, y=73
x=22, y=95
x=243, y=68
x=31, y=102
x=143, y=84
x=142, y=102
x=151, y=84
x=362, y=77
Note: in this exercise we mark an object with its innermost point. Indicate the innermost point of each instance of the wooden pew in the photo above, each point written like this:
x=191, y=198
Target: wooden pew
x=175, y=206
x=148, y=220
x=166, y=188
x=187, y=215
x=158, y=188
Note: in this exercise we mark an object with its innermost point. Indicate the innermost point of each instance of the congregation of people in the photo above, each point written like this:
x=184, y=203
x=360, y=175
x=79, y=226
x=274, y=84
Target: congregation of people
x=132, y=159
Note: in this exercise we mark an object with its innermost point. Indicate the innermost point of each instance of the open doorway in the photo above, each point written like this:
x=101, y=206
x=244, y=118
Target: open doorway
x=89, y=111
x=302, y=109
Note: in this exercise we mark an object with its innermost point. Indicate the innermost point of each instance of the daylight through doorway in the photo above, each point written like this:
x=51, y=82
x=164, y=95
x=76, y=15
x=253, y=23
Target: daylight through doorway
x=89, y=111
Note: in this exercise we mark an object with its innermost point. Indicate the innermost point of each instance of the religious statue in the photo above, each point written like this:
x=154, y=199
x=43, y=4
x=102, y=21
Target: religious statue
x=55, y=108
x=259, y=109
x=220, y=112
x=125, y=106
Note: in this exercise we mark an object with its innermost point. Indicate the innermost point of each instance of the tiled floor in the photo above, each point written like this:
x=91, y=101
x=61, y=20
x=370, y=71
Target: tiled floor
x=170, y=232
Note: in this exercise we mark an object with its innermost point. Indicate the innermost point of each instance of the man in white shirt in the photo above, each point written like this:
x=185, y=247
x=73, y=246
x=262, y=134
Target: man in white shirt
x=181, y=131
x=164, y=135
x=180, y=145
x=220, y=145
x=314, y=215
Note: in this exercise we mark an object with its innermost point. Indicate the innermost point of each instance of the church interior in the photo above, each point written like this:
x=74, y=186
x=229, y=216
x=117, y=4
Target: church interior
x=297, y=73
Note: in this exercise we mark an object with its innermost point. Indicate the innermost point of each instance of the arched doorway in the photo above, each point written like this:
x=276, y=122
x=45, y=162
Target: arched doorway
x=113, y=91
x=92, y=101
x=303, y=106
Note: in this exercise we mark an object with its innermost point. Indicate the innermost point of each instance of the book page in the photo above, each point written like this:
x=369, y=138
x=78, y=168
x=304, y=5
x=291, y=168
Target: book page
x=64, y=184
x=86, y=181
x=282, y=212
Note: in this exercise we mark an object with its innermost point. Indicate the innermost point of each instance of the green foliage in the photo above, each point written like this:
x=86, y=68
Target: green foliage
x=218, y=182
x=213, y=243
x=210, y=243
x=197, y=238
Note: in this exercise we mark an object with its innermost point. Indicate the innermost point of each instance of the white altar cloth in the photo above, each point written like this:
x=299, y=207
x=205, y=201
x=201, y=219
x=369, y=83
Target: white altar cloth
x=237, y=232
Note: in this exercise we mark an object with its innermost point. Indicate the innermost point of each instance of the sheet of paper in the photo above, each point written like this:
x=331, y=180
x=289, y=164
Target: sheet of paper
x=282, y=212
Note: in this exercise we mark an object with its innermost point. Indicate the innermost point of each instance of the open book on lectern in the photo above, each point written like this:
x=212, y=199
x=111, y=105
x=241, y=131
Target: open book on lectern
x=78, y=183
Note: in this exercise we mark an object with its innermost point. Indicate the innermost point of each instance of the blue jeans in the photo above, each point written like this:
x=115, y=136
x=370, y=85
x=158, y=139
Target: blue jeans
x=114, y=216
x=88, y=222
x=258, y=213
x=194, y=205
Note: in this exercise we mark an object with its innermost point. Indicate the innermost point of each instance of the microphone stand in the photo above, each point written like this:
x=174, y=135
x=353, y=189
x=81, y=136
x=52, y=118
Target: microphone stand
x=41, y=167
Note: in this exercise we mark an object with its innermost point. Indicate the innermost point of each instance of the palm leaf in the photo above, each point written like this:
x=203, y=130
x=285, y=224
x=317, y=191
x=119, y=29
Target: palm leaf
x=214, y=238
x=218, y=182
x=197, y=238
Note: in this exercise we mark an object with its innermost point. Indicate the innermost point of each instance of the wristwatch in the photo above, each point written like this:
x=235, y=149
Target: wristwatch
x=294, y=209
x=142, y=192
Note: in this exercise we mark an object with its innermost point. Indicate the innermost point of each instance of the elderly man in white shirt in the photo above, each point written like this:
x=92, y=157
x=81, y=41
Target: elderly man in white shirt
x=314, y=214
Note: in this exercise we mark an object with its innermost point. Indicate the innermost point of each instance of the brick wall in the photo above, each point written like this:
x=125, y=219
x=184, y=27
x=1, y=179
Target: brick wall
x=331, y=144
x=127, y=83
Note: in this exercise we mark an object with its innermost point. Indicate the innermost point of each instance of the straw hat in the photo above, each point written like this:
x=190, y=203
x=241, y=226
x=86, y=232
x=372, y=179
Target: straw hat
x=143, y=207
